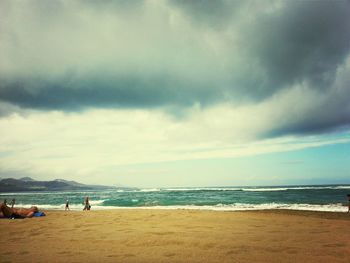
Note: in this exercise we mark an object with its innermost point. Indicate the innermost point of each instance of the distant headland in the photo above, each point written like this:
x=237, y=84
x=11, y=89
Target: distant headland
x=29, y=184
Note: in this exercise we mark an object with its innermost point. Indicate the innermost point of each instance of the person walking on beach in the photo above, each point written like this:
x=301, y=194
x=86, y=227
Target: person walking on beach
x=13, y=202
x=87, y=204
x=349, y=203
x=67, y=205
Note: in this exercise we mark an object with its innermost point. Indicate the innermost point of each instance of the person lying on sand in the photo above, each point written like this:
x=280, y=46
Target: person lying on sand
x=7, y=212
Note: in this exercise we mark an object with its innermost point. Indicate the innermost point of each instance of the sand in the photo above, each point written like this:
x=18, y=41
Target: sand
x=177, y=236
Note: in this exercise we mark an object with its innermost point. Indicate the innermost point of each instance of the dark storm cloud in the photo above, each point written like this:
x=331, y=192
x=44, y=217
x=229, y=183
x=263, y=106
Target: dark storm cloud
x=72, y=93
x=308, y=43
x=298, y=41
x=301, y=43
x=331, y=121
x=175, y=53
x=217, y=14
x=330, y=114
x=304, y=41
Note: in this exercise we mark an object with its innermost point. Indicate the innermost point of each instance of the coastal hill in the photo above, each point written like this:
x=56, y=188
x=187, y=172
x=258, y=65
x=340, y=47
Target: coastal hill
x=28, y=184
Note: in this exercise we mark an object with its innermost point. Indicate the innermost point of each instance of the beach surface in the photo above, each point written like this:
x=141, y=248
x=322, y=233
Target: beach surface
x=149, y=235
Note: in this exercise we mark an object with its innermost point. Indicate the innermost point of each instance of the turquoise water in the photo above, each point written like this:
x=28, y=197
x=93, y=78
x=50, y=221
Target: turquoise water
x=320, y=198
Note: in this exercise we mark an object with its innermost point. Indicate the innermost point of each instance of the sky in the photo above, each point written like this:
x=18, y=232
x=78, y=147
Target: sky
x=166, y=93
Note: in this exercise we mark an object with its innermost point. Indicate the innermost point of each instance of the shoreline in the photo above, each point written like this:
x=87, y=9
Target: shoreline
x=154, y=235
x=277, y=211
x=332, y=208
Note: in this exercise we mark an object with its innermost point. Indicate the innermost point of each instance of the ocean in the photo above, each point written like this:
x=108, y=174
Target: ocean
x=332, y=198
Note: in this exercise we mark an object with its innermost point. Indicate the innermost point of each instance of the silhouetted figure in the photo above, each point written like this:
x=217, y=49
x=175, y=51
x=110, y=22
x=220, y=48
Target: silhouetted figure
x=67, y=205
x=5, y=201
x=349, y=203
x=87, y=205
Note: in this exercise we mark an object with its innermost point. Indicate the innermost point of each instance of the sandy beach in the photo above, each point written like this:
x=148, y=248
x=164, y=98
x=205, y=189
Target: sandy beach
x=177, y=236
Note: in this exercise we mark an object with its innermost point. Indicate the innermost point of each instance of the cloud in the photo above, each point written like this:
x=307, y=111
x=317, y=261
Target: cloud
x=289, y=59
x=214, y=15
x=308, y=111
x=97, y=142
x=302, y=42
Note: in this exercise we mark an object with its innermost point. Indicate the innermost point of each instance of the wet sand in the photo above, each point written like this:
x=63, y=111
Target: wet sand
x=177, y=236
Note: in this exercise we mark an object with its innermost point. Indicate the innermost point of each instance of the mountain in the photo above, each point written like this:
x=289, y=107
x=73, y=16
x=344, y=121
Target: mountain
x=28, y=184
x=26, y=179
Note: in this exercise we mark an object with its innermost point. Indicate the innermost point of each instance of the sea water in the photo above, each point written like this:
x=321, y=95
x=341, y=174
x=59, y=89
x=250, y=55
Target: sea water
x=332, y=198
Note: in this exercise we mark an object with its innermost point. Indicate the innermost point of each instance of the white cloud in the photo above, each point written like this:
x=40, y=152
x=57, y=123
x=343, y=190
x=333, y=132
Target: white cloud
x=147, y=39
x=231, y=67
x=55, y=144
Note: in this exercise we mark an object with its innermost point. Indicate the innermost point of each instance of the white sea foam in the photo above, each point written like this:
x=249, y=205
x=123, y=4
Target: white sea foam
x=180, y=189
x=342, y=187
x=264, y=189
x=148, y=190
x=246, y=189
x=96, y=202
x=219, y=207
x=247, y=207
x=44, y=206
x=204, y=189
x=268, y=189
x=183, y=189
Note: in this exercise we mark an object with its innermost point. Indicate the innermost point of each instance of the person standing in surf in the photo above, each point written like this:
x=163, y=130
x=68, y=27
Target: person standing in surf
x=67, y=205
x=87, y=204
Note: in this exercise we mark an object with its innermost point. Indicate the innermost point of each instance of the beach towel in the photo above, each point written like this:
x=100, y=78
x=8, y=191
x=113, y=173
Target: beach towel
x=38, y=214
